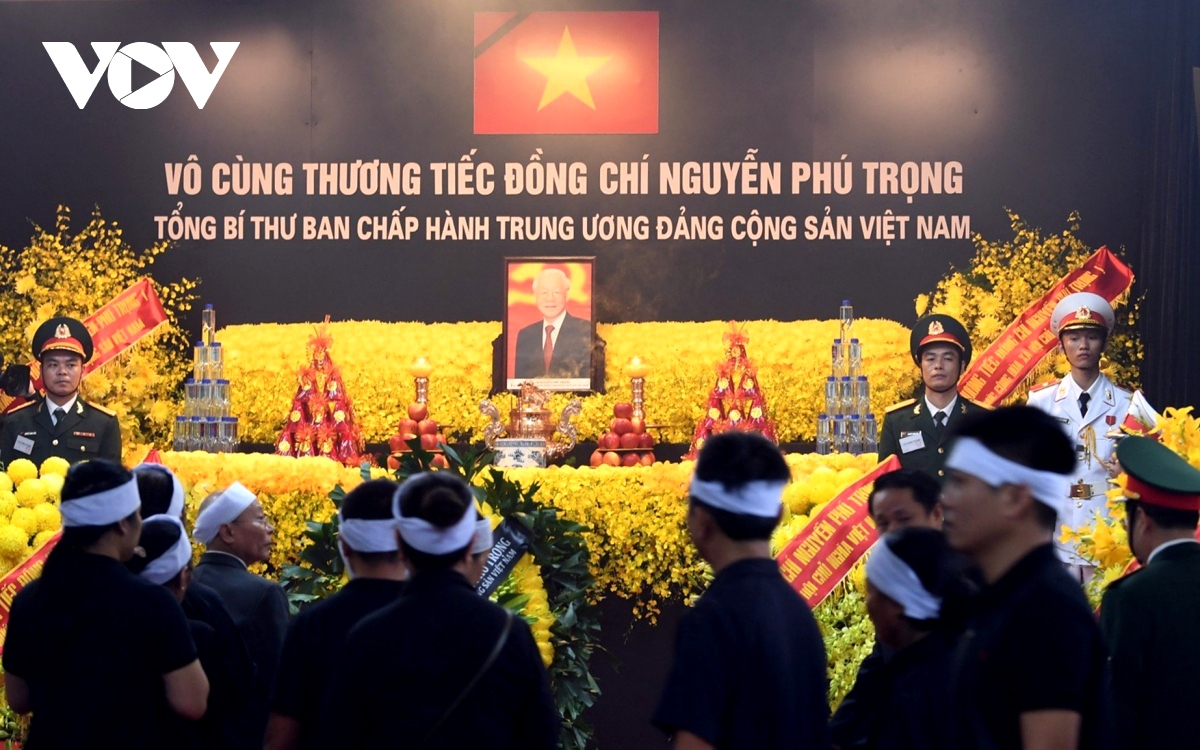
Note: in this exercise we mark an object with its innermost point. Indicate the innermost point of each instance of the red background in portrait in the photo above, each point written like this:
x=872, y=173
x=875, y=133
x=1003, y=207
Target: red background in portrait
x=521, y=308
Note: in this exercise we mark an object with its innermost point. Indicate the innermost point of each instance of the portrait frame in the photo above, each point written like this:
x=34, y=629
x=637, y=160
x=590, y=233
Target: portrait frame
x=576, y=361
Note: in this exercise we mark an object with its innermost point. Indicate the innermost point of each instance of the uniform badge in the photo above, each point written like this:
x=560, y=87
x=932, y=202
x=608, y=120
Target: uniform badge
x=935, y=328
x=1083, y=313
x=62, y=332
x=84, y=434
x=1110, y=420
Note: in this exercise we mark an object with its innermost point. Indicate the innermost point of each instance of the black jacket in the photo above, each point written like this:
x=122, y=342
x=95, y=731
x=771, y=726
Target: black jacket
x=572, y=355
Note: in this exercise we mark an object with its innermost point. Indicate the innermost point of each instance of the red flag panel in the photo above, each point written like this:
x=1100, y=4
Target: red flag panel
x=568, y=72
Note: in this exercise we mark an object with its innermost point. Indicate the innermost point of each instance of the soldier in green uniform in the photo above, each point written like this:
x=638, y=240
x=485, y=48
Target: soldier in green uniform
x=61, y=423
x=1151, y=617
x=916, y=430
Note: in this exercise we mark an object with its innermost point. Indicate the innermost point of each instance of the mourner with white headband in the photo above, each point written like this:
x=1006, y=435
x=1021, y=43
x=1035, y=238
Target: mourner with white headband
x=1090, y=409
x=162, y=494
x=371, y=551
x=166, y=560
x=90, y=641
x=749, y=668
x=442, y=666
x=917, y=592
x=236, y=533
x=1033, y=670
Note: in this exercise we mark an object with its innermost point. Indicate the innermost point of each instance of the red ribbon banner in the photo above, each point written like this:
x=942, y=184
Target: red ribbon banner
x=130, y=315
x=1015, y=352
x=822, y=554
x=17, y=578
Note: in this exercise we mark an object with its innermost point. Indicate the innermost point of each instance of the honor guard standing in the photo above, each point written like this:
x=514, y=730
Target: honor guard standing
x=1150, y=618
x=916, y=430
x=1090, y=408
x=61, y=423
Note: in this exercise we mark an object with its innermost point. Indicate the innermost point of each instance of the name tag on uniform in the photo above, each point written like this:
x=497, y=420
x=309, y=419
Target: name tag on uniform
x=24, y=445
x=912, y=441
x=84, y=434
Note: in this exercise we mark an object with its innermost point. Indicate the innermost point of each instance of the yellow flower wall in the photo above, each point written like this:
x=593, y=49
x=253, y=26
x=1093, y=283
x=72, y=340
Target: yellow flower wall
x=793, y=360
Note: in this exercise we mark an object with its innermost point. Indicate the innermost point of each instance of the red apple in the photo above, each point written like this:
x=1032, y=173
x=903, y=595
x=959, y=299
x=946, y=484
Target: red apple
x=396, y=444
x=629, y=459
x=408, y=425
x=393, y=463
x=638, y=424
x=645, y=440
x=622, y=426
x=610, y=440
x=441, y=439
x=428, y=441
x=612, y=459
x=418, y=412
x=439, y=461
x=427, y=427
x=623, y=410
x=647, y=458
x=597, y=458
x=629, y=440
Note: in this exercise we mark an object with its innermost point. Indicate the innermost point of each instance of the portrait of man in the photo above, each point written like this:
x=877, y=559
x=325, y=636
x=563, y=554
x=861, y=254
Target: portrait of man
x=549, y=308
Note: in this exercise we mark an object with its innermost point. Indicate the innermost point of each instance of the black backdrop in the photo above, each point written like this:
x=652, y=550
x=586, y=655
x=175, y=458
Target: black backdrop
x=1047, y=105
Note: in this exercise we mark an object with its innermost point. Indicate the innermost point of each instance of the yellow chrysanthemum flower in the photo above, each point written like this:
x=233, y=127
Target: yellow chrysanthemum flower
x=6, y=484
x=48, y=518
x=55, y=465
x=54, y=485
x=21, y=470
x=31, y=493
x=42, y=537
x=14, y=542
x=8, y=503
x=26, y=520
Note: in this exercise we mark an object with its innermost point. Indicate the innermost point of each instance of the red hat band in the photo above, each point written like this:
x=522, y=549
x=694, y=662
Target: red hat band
x=66, y=345
x=940, y=338
x=1146, y=493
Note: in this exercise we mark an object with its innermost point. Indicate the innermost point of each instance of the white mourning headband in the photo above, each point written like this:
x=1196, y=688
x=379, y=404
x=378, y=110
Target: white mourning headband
x=898, y=582
x=972, y=457
x=424, y=536
x=176, y=506
x=167, y=565
x=762, y=498
x=368, y=534
x=224, y=509
x=483, y=536
x=102, y=508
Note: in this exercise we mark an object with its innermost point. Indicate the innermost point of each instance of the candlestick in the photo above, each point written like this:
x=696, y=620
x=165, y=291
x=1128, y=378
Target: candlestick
x=420, y=370
x=639, y=398
x=637, y=368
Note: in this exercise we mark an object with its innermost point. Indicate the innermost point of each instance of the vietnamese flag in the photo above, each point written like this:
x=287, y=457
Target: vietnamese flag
x=568, y=72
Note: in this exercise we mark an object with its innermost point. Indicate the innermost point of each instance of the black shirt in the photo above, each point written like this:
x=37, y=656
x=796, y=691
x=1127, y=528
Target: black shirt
x=904, y=704
x=1032, y=645
x=93, y=648
x=314, y=644
x=235, y=698
x=403, y=667
x=749, y=669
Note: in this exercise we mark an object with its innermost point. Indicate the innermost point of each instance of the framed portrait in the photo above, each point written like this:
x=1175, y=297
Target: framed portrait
x=549, y=327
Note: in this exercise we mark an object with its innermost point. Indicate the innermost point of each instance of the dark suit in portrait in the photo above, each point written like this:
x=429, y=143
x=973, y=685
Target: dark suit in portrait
x=572, y=355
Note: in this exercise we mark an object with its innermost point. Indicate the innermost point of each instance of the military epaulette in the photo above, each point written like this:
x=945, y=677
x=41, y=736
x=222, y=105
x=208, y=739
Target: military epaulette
x=900, y=405
x=982, y=405
x=102, y=410
x=1042, y=386
x=25, y=405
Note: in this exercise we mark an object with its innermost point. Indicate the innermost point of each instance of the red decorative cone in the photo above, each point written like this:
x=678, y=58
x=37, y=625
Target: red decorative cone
x=321, y=421
x=736, y=401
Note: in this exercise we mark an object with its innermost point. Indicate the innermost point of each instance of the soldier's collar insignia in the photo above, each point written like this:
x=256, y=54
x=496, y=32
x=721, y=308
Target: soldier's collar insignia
x=935, y=328
x=1083, y=313
x=62, y=332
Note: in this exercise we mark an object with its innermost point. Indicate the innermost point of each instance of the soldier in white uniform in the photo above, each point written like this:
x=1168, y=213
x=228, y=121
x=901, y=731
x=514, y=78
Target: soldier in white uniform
x=1091, y=409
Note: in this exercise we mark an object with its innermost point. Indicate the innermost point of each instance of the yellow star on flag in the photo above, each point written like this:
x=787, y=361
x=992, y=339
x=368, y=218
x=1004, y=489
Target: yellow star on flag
x=566, y=72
